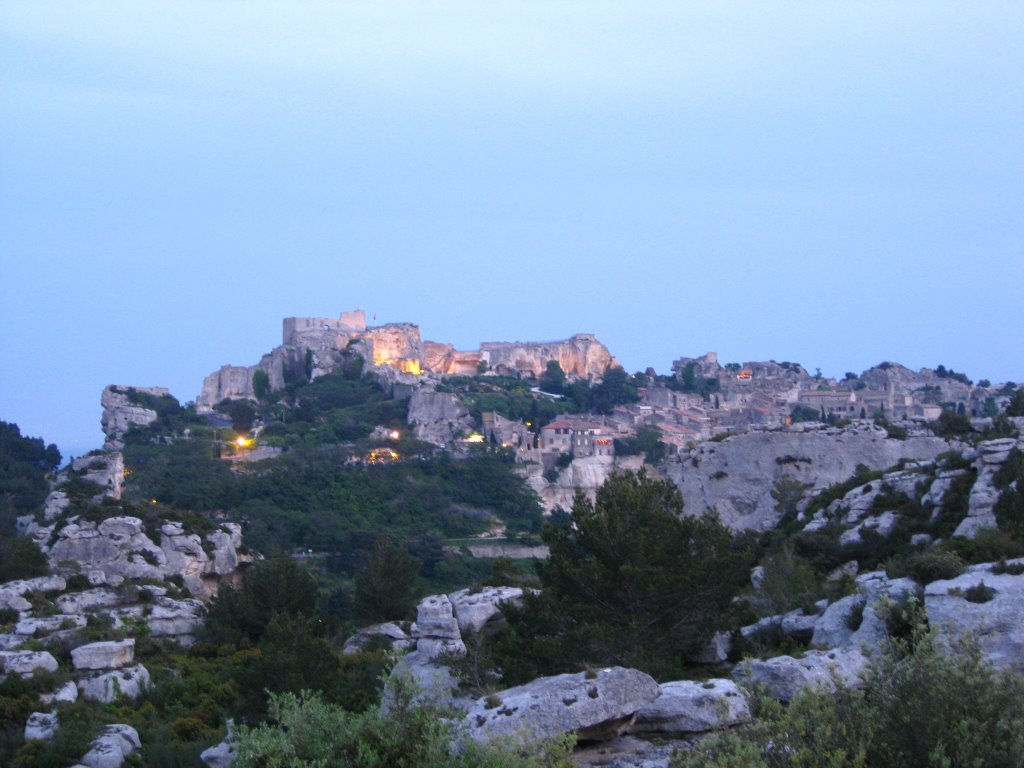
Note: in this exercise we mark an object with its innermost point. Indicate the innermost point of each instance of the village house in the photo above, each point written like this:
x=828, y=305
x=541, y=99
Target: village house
x=578, y=437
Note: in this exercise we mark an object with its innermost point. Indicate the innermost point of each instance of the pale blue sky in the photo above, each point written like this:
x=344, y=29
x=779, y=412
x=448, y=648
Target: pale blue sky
x=832, y=183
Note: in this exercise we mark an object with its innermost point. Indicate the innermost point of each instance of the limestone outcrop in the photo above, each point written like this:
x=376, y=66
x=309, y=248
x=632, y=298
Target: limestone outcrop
x=391, y=633
x=833, y=627
x=595, y=706
x=474, y=610
x=105, y=470
x=177, y=619
x=12, y=592
x=688, y=706
x=437, y=417
x=446, y=360
x=120, y=548
x=129, y=682
x=26, y=663
x=232, y=382
x=123, y=407
x=221, y=755
x=106, y=654
x=66, y=694
x=580, y=356
x=585, y=474
x=112, y=747
x=992, y=455
x=783, y=676
x=983, y=604
x=436, y=631
x=41, y=726
x=736, y=475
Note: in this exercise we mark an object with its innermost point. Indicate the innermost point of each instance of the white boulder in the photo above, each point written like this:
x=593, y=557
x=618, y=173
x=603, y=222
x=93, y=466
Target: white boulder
x=66, y=694
x=41, y=726
x=129, y=682
x=111, y=748
x=474, y=609
x=26, y=663
x=688, y=706
x=784, y=676
x=392, y=631
x=436, y=630
x=592, y=705
x=104, y=655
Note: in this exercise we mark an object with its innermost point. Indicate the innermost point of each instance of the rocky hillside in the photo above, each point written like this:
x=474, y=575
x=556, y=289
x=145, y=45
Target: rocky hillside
x=736, y=476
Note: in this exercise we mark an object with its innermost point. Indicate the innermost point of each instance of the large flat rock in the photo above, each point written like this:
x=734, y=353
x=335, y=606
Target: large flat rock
x=784, y=676
x=997, y=624
x=108, y=654
x=570, y=703
x=688, y=706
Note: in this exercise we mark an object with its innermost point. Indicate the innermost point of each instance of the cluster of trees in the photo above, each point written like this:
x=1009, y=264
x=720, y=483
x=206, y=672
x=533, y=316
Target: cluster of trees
x=615, y=388
x=24, y=465
x=689, y=381
x=647, y=441
x=630, y=581
x=315, y=501
x=948, y=373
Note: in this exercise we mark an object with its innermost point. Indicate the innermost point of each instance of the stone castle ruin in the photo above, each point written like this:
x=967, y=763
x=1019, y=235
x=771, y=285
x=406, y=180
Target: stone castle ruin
x=314, y=346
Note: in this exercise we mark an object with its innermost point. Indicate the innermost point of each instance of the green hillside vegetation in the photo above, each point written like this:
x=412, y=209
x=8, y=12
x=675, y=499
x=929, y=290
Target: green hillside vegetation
x=629, y=582
x=25, y=463
x=921, y=707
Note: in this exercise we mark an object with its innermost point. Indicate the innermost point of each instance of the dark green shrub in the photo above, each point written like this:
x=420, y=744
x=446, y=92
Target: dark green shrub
x=789, y=582
x=78, y=582
x=1013, y=569
x=928, y=566
x=952, y=424
x=979, y=593
x=20, y=558
x=386, y=588
x=988, y=545
x=855, y=617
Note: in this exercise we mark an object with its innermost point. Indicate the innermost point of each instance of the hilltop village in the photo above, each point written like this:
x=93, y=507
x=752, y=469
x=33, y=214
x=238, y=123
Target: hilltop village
x=571, y=448
x=699, y=400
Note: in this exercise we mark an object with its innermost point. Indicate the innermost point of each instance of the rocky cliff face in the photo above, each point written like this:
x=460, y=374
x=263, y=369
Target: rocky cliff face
x=448, y=361
x=437, y=417
x=229, y=382
x=584, y=474
x=121, y=548
x=121, y=411
x=582, y=356
x=991, y=456
x=736, y=476
x=397, y=345
x=902, y=380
